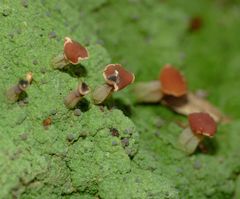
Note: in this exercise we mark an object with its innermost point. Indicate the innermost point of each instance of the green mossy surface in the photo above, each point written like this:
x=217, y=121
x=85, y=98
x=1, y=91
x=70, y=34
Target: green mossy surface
x=77, y=156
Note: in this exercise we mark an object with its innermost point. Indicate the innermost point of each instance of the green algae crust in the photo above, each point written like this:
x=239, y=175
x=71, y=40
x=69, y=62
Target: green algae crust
x=77, y=156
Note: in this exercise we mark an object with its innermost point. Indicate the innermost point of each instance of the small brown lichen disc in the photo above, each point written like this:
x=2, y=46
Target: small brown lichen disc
x=202, y=123
x=123, y=77
x=74, y=51
x=172, y=81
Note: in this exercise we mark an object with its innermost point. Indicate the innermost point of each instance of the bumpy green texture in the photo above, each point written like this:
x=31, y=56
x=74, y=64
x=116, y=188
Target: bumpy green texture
x=78, y=156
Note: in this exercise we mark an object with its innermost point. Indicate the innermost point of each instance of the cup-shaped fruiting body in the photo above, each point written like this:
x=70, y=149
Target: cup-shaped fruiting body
x=76, y=95
x=13, y=94
x=171, y=82
x=116, y=78
x=200, y=125
x=73, y=53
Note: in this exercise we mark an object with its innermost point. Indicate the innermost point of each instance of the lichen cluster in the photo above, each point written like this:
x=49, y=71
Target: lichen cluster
x=125, y=150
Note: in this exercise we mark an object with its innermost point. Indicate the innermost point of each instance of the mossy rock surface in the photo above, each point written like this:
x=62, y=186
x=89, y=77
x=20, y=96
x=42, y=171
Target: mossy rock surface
x=79, y=156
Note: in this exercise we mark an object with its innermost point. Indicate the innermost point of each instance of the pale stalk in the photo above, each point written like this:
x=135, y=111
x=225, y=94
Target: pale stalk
x=148, y=92
x=189, y=141
x=72, y=99
x=101, y=93
x=59, y=61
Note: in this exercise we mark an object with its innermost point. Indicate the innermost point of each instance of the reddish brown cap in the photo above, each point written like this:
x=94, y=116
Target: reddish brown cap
x=202, y=123
x=172, y=81
x=117, y=76
x=74, y=52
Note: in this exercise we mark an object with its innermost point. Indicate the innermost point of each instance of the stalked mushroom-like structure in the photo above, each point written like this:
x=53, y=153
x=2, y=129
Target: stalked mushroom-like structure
x=200, y=125
x=76, y=96
x=171, y=90
x=116, y=78
x=171, y=83
x=73, y=53
x=13, y=94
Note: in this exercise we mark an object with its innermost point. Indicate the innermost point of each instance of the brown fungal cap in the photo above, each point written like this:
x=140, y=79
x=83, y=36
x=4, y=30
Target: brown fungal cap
x=202, y=123
x=172, y=81
x=117, y=76
x=83, y=88
x=74, y=52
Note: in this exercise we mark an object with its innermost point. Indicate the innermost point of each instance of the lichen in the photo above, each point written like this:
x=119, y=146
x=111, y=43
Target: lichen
x=79, y=155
